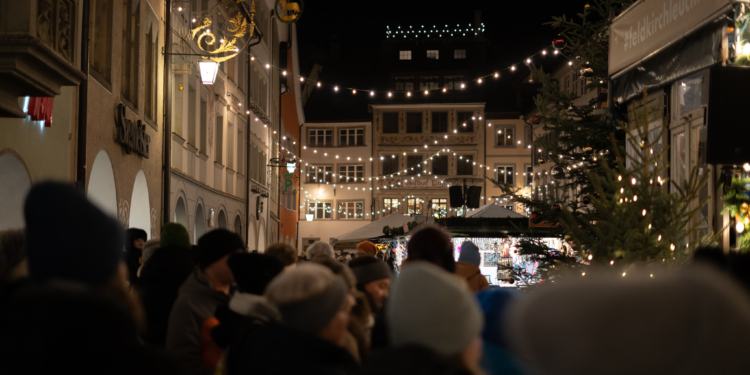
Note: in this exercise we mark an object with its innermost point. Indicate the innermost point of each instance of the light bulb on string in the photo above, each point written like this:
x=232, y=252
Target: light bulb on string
x=335, y=88
x=513, y=68
x=479, y=81
x=497, y=75
x=354, y=91
x=268, y=66
x=302, y=79
x=318, y=84
x=444, y=89
x=389, y=94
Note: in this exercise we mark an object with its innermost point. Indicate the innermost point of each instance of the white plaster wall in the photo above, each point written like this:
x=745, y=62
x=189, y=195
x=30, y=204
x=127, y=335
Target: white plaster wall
x=102, y=186
x=140, y=207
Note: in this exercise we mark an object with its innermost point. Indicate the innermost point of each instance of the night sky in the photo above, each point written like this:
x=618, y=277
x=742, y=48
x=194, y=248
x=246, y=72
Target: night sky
x=515, y=25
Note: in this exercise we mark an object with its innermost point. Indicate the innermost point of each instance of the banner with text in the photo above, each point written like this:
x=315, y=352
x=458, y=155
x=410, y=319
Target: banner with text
x=651, y=25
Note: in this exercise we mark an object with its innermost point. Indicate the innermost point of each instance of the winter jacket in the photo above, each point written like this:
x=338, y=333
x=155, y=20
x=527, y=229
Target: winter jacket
x=473, y=276
x=244, y=310
x=273, y=349
x=63, y=327
x=192, y=315
x=158, y=287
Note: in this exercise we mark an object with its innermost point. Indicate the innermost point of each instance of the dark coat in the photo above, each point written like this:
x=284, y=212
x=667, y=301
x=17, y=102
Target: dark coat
x=273, y=349
x=158, y=287
x=411, y=360
x=62, y=327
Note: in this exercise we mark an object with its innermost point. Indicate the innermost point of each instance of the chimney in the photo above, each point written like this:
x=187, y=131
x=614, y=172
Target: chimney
x=478, y=23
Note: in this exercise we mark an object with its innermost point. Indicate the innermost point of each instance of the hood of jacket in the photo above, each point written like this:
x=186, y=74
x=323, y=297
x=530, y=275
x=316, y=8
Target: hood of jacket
x=254, y=306
x=467, y=270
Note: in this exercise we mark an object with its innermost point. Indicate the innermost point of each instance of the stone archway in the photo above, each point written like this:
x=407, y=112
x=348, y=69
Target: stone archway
x=140, y=205
x=101, y=189
x=14, y=185
x=200, y=223
x=180, y=212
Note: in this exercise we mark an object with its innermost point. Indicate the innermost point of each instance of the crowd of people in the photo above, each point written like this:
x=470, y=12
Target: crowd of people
x=72, y=301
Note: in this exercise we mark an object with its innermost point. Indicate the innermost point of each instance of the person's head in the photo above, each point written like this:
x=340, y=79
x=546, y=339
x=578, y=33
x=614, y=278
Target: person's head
x=135, y=238
x=312, y=299
x=69, y=238
x=320, y=248
x=253, y=272
x=373, y=278
x=367, y=247
x=12, y=255
x=432, y=244
x=337, y=268
x=433, y=308
x=470, y=254
x=174, y=234
x=215, y=247
x=285, y=253
x=148, y=250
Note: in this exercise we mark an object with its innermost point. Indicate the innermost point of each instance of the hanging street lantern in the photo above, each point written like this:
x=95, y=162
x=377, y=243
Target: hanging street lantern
x=309, y=217
x=208, y=69
x=290, y=166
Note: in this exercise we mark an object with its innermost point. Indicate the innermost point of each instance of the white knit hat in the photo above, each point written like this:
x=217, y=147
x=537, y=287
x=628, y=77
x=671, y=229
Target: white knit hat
x=432, y=308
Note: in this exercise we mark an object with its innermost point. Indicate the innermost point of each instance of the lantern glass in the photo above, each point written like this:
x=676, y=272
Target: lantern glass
x=208, y=69
x=290, y=166
x=309, y=217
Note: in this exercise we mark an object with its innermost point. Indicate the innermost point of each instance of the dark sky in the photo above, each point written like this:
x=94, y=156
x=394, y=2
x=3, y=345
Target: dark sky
x=516, y=24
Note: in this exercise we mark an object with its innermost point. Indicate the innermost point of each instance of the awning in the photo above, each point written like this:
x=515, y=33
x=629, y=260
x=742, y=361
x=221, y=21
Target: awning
x=375, y=229
x=493, y=211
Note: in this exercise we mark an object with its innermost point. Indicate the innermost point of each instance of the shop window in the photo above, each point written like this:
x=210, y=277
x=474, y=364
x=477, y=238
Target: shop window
x=404, y=55
x=320, y=138
x=465, y=165
x=439, y=207
x=352, y=137
x=321, y=210
x=390, y=122
x=390, y=205
x=150, y=78
x=689, y=93
x=351, y=173
x=389, y=164
x=320, y=174
x=440, y=165
x=413, y=165
x=350, y=210
x=414, y=206
x=439, y=122
x=414, y=122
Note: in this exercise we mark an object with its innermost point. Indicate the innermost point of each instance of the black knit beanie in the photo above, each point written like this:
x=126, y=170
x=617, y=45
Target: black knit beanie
x=253, y=272
x=68, y=237
x=216, y=244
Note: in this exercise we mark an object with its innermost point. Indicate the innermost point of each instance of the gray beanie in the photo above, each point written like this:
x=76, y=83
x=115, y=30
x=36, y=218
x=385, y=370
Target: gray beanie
x=434, y=309
x=469, y=253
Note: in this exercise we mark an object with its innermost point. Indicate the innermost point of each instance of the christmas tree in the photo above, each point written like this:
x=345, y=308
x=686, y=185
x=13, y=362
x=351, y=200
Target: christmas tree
x=611, y=194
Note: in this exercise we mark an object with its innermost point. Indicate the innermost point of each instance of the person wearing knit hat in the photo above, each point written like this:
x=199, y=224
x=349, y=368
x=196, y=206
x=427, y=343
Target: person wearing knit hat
x=432, y=308
x=135, y=238
x=432, y=244
x=695, y=320
x=68, y=237
x=207, y=288
x=314, y=305
x=373, y=278
x=174, y=234
x=319, y=247
x=467, y=267
x=368, y=247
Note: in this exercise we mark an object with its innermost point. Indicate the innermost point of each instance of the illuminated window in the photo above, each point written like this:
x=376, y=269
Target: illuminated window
x=433, y=54
x=404, y=55
x=414, y=206
x=459, y=54
x=350, y=210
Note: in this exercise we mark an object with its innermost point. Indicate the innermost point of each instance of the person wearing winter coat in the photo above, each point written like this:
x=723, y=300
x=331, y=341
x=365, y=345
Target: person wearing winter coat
x=467, y=267
x=431, y=308
x=135, y=238
x=314, y=305
x=75, y=313
x=248, y=308
x=208, y=287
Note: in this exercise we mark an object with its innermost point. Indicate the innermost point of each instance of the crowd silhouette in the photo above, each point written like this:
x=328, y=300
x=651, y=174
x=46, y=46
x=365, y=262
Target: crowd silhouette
x=78, y=294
